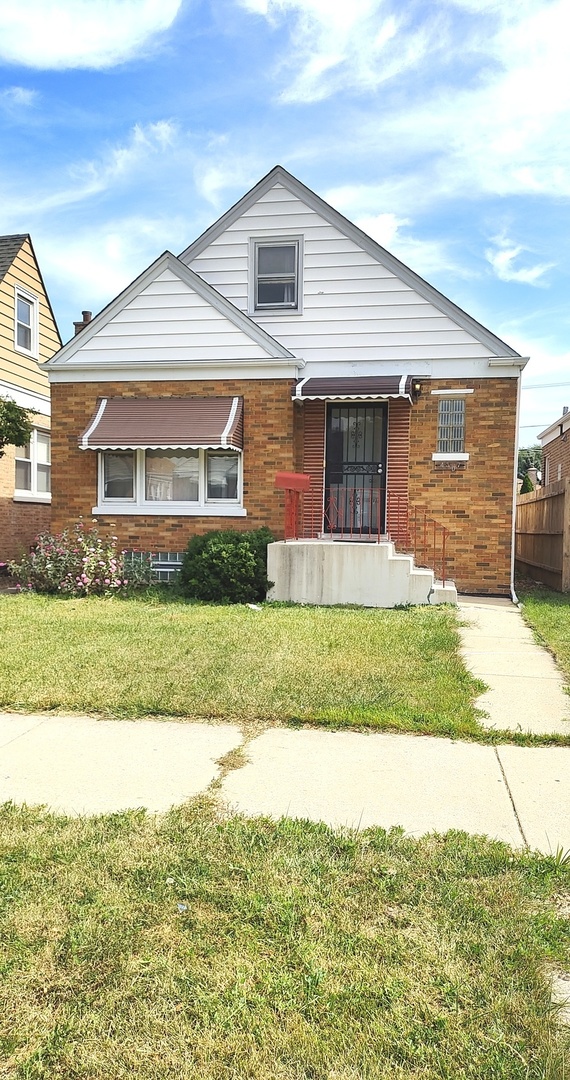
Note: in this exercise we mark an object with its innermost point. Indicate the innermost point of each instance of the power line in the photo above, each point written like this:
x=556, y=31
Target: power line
x=544, y=386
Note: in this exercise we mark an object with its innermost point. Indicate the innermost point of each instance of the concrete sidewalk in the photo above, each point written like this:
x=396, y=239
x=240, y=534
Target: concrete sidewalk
x=78, y=765
x=526, y=689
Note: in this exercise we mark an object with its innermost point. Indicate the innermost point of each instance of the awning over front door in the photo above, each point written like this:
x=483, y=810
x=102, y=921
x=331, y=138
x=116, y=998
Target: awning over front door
x=165, y=423
x=371, y=387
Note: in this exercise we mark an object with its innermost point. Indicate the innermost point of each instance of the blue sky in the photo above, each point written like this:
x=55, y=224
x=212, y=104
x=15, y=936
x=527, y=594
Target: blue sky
x=441, y=128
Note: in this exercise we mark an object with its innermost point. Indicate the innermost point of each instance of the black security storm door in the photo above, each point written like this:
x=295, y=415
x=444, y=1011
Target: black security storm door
x=355, y=472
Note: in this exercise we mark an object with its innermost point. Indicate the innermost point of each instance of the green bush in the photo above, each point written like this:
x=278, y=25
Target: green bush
x=226, y=566
x=527, y=485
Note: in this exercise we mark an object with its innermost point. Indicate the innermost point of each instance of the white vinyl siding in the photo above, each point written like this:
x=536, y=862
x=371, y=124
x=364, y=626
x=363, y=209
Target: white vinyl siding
x=169, y=321
x=353, y=307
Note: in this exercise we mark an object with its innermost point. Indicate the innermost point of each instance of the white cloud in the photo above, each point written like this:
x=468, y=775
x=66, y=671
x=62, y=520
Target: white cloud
x=81, y=33
x=18, y=97
x=425, y=257
x=502, y=258
x=339, y=44
x=91, y=266
x=116, y=166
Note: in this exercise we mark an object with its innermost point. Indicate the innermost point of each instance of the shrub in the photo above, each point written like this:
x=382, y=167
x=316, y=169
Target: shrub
x=79, y=562
x=527, y=485
x=227, y=566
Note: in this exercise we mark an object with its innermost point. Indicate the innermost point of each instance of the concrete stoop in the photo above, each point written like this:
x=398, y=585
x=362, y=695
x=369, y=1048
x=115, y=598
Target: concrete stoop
x=343, y=572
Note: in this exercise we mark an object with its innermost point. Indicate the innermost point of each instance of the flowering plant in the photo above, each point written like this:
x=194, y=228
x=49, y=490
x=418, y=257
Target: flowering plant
x=79, y=562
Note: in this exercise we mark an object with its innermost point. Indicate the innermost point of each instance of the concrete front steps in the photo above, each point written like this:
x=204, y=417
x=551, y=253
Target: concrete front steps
x=343, y=572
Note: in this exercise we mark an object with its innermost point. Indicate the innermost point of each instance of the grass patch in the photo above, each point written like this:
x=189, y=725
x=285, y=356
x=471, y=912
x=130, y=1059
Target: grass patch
x=336, y=666
x=548, y=613
x=198, y=947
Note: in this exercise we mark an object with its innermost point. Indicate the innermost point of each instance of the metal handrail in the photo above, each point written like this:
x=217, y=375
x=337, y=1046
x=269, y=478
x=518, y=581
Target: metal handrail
x=357, y=514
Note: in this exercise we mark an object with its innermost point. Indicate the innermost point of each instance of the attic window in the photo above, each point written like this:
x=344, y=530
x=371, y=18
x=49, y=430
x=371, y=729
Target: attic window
x=275, y=284
x=26, y=322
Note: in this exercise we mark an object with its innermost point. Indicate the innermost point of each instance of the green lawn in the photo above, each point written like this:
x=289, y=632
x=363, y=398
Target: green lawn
x=548, y=613
x=340, y=666
x=192, y=946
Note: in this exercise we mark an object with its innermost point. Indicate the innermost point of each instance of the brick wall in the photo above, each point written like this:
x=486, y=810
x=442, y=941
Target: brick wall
x=20, y=522
x=557, y=453
x=474, y=502
x=268, y=438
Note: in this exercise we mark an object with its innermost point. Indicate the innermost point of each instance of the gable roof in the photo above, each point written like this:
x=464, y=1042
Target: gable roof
x=279, y=175
x=168, y=261
x=9, y=248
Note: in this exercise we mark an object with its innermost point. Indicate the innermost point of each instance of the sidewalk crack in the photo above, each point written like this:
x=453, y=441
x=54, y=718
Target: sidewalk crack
x=510, y=794
x=22, y=734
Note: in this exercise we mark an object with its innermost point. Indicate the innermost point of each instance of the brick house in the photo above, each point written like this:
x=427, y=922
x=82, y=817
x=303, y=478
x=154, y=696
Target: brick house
x=555, y=442
x=284, y=339
x=28, y=337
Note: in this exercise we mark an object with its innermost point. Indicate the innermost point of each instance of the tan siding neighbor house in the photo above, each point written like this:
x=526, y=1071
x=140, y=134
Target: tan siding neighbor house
x=28, y=337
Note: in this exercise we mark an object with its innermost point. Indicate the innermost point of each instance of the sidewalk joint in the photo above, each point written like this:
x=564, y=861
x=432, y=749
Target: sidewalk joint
x=510, y=794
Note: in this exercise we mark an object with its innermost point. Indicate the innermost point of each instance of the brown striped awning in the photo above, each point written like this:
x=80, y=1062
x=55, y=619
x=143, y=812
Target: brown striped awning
x=373, y=387
x=165, y=424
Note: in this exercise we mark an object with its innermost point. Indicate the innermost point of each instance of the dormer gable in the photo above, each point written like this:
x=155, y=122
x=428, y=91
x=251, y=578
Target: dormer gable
x=168, y=316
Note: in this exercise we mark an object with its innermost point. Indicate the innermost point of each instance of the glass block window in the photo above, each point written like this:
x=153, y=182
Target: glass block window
x=451, y=426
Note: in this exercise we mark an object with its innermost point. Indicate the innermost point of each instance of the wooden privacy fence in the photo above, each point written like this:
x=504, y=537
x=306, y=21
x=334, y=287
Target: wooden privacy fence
x=543, y=535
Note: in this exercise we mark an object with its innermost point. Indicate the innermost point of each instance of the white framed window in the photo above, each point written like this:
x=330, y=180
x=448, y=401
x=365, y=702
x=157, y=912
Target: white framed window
x=275, y=280
x=175, y=481
x=25, y=322
x=32, y=481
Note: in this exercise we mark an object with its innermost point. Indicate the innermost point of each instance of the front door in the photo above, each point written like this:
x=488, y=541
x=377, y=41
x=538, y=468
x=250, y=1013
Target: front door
x=355, y=472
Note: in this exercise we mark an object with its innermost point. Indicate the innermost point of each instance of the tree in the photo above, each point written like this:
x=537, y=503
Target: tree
x=530, y=457
x=527, y=485
x=15, y=425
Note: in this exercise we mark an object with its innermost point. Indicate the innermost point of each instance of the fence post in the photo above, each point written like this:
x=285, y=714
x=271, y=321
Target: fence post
x=566, y=539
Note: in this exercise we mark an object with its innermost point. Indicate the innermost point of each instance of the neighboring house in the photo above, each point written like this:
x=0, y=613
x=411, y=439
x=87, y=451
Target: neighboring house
x=285, y=339
x=555, y=442
x=28, y=337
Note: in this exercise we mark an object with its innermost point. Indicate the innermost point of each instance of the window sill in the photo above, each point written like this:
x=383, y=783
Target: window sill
x=26, y=496
x=32, y=353
x=272, y=313
x=168, y=510
x=450, y=457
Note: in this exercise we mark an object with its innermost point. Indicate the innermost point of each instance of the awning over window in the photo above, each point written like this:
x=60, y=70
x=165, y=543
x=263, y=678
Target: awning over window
x=374, y=387
x=165, y=423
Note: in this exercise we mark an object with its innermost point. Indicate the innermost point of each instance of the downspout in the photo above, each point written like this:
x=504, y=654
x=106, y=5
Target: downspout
x=514, y=596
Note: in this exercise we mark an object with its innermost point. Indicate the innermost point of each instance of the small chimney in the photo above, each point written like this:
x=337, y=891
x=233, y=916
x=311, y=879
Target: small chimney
x=86, y=317
x=533, y=476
